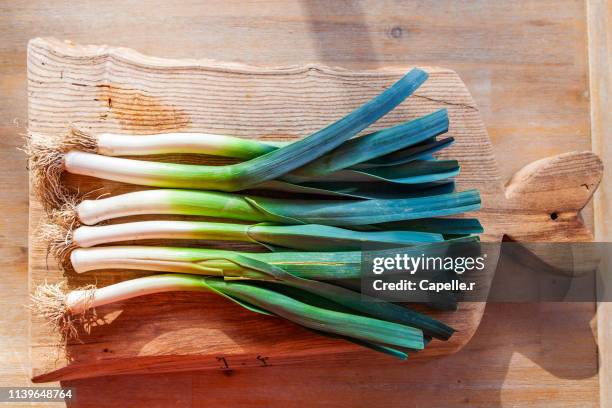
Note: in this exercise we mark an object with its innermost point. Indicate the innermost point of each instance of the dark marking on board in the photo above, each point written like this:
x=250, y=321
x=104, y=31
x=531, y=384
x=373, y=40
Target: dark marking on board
x=224, y=361
x=140, y=112
x=263, y=360
x=397, y=32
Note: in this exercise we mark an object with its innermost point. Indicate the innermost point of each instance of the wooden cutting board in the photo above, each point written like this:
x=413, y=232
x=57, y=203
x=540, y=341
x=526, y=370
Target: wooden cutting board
x=118, y=90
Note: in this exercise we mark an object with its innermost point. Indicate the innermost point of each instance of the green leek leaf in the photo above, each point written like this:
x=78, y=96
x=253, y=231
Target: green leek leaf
x=345, y=324
x=350, y=299
x=377, y=144
x=415, y=172
x=358, y=190
x=349, y=213
x=419, y=152
x=446, y=226
x=311, y=237
x=288, y=158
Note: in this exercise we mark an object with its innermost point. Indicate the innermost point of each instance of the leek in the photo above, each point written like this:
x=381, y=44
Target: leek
x=307, y=237
x=66, y=309
x=352, y=152
x=358, y=151
x=225, y=178
x=275, y=210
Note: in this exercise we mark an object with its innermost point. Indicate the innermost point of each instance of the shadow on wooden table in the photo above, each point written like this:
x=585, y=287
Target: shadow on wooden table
x=347, y=38
x=557, y=342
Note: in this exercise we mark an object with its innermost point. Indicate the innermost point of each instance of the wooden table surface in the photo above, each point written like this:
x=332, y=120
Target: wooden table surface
x=526, y=64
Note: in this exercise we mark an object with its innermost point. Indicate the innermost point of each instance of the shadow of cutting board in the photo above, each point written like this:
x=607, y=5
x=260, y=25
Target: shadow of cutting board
x=118, y=90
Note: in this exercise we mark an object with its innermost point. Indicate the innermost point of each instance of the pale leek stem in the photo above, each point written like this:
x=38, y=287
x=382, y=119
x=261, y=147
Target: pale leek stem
x=79, y=301
x=164, y=202
x=86, y=236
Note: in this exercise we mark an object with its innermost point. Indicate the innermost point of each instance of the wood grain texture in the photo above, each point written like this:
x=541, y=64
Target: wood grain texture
x=111, y=89
x=534, y=101
x=600, y=66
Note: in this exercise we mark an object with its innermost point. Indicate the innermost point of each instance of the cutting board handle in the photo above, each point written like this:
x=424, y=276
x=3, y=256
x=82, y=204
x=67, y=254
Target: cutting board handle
x=549, y=194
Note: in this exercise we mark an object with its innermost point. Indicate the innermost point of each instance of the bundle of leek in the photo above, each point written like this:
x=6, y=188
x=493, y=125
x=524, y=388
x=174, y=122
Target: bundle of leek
x=360, y=209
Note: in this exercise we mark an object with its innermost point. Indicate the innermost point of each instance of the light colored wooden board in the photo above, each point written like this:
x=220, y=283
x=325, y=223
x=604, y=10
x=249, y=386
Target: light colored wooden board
x=108, y=89
x=111, y=89
x=507, y=90
x=600, y=64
